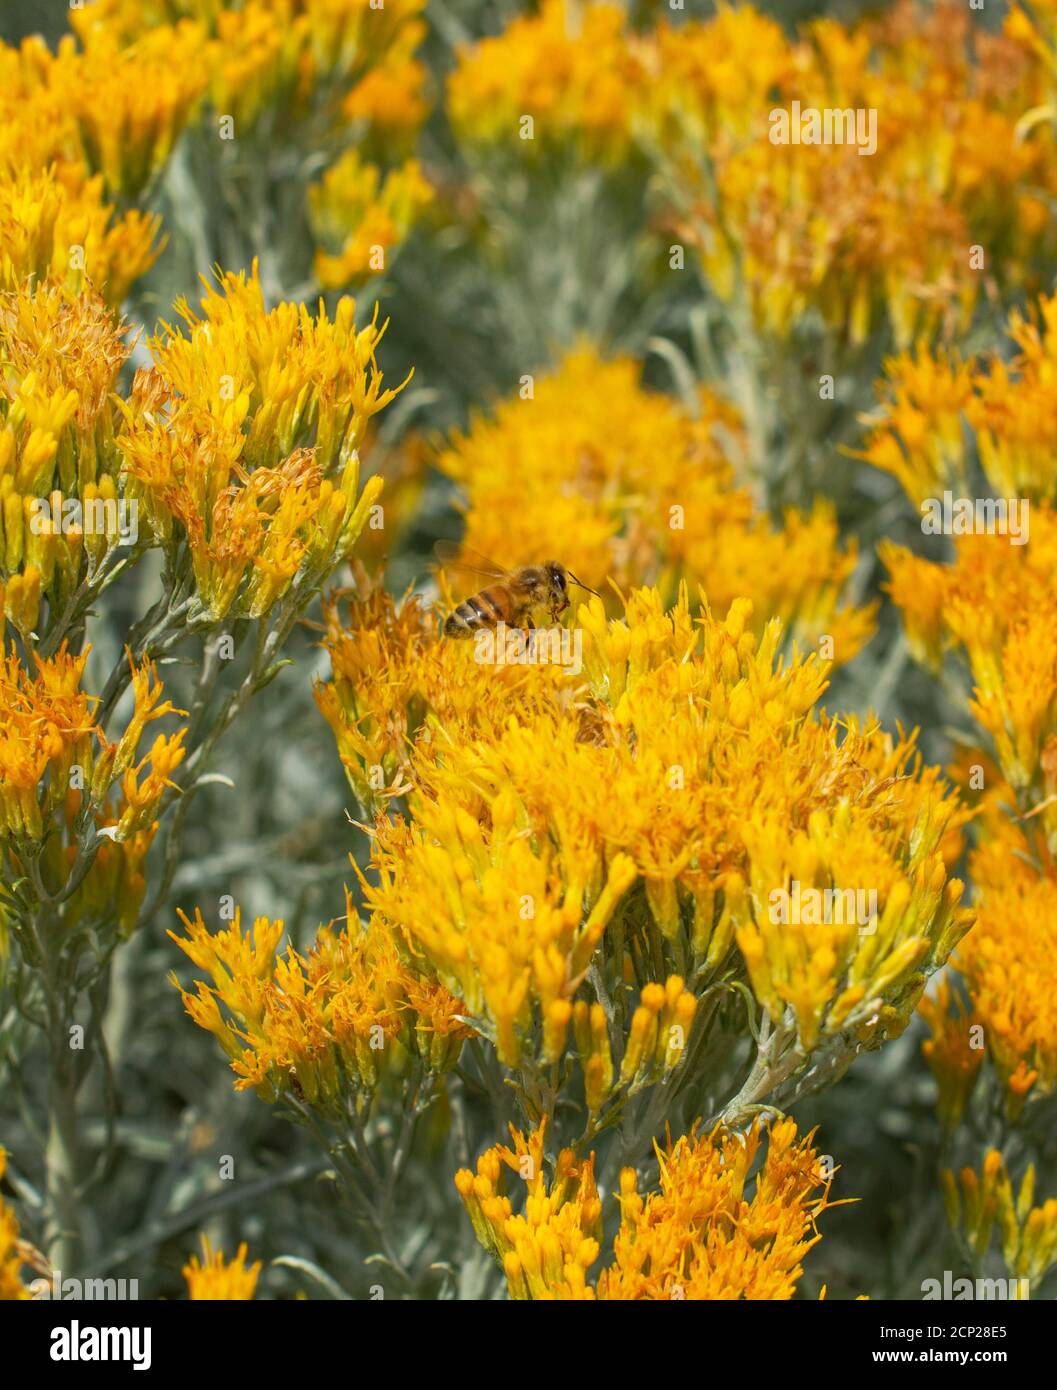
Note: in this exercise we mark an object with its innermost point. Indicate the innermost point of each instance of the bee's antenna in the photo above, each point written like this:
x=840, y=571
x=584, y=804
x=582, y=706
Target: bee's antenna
x=582, y=585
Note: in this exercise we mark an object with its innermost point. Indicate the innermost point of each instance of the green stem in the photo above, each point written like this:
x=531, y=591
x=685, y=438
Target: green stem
x=62, y=1155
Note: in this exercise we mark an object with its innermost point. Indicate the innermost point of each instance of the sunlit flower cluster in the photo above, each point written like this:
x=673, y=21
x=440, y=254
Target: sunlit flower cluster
x=313, y=1026
x=994, y=608
x=78, y=127
x=1008, y=963
x=100, y=118
x=127, y=106
x=54, y=217
x=628, y=486
x=640, y=816
x=61, y=354
x=719, y=1226
x=1010, y=407
x=57, y=770
x=243, y=438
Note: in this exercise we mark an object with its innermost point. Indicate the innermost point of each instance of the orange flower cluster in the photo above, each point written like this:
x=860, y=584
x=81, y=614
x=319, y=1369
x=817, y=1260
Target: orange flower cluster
x=212, y=1278
x=54, y=216
x=918, y=432
x=243, y=438
x=347, y=1014
x=365, y=214
x=60, y=515
x=876, y=226
x=700, y=1236
x=1027, y=1234
x=640, y=490
x=639, y=815
x=56, y=766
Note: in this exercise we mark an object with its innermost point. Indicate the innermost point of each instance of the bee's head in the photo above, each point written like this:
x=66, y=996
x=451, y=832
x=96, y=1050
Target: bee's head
x=559, y=579
x=557, y=585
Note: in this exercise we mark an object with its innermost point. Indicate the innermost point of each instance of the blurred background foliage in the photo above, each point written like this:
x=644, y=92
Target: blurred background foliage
x=475, y=300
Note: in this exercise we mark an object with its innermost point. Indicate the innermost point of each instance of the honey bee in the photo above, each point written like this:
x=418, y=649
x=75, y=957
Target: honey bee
x=512, y=598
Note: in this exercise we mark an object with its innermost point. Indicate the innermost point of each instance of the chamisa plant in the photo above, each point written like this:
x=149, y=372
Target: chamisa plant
x=649, y=892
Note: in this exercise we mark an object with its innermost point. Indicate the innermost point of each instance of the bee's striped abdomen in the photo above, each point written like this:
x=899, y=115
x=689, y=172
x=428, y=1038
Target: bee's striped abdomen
x=472, y=613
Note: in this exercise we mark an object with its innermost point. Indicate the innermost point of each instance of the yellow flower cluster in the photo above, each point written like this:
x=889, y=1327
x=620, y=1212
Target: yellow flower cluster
x=874, y=227
x=1009, y=966
x=992, y=607
x=995, y=607
x=212, y=1278
x=347, y=1013
x=1027, y=1234
x=366, y=214
x=258, y=55
x=700, y=1236
x=641, y=815
x=127, y=106
x=55, y=763
x=546, y=1250
x=80, y=126
x=98, y=120
x=1010, y=406
x=570, y=68
x=389, y=103
x=60, y=355
x=243, y=438
x=63, y=228
x=639, y=490
x=54, y=217
x=12, y=1288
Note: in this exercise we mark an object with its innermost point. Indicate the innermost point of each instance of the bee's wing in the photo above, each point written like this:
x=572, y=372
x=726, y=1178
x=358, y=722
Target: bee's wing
x=453, y=556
